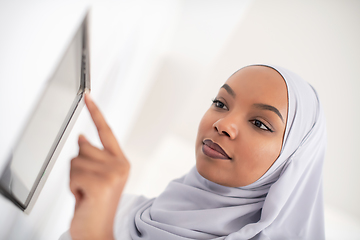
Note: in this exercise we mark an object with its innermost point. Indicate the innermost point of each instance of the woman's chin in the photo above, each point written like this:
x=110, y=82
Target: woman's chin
x=213, y=174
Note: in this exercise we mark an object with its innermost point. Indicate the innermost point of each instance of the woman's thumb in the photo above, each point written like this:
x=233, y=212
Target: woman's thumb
x=82, y=139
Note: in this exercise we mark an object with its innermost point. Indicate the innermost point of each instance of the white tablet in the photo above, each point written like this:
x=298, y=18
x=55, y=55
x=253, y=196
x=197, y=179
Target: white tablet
x=46, y=130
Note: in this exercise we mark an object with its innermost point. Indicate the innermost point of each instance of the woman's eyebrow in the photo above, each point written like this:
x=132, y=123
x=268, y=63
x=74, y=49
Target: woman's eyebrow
x=229, y=90
x=269, y=107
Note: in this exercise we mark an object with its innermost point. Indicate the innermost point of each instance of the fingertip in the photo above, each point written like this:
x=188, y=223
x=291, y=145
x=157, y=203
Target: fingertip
x=82, y=139
x=87, y=96
x=88, y=99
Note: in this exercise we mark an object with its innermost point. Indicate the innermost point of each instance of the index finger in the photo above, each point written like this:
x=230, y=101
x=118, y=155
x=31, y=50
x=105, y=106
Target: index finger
x=107, y=137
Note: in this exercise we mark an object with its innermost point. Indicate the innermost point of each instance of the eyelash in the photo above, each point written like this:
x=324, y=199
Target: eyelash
x=216, y=102
x=258, y=121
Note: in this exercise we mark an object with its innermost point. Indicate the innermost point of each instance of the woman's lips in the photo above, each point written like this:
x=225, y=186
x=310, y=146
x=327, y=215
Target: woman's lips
x=213, y=150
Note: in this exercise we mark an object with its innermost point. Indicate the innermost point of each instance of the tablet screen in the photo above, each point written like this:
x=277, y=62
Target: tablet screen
x=49, y=120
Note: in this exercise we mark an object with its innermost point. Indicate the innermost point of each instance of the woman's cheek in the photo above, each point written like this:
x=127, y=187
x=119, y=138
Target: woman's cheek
x=256, y=152
x=268, y=153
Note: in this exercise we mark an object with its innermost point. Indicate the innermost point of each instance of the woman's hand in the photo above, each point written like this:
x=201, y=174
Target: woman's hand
x=97, y=179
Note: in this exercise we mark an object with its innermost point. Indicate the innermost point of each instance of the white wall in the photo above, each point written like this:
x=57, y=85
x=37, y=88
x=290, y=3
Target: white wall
x=126, y=41
x=319, y=40
x=168, y=59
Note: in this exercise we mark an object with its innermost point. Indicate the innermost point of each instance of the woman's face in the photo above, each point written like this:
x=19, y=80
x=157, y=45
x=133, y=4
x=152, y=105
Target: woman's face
x=241, y=134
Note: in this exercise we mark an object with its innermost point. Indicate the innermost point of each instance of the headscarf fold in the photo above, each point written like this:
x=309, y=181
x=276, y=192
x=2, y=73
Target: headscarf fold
x=285, y=203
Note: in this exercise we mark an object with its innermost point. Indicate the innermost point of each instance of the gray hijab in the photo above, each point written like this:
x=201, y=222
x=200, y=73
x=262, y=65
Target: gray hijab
x=285, y=203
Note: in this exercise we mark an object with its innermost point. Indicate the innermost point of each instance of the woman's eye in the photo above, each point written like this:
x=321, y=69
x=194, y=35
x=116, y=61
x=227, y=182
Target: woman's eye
x=219, y=104
x=261, y=125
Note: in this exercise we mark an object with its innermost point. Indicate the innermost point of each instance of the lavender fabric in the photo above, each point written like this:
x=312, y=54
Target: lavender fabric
x=285, y=203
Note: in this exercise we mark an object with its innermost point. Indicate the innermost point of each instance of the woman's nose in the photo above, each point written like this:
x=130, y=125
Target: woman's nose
x=224, y=127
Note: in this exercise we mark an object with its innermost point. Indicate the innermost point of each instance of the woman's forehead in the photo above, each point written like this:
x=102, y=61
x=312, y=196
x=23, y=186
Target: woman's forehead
x=259, y=84
x=258, y=73
x=257, y=79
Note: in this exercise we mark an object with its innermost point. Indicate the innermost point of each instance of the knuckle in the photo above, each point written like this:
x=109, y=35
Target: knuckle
x=113, y=179
x=73, y=162
x=126, y=170
x=122, y=168
x=105, y=128
x=83, y=148
x=116, y=176
x=126, y=165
